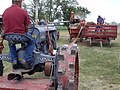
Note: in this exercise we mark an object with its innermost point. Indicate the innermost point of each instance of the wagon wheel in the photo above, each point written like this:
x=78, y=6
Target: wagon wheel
x=47, y=70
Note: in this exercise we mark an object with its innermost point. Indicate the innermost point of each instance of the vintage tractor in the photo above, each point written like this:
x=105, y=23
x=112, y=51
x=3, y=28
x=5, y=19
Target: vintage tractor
x=60, y=64
x=42, y=56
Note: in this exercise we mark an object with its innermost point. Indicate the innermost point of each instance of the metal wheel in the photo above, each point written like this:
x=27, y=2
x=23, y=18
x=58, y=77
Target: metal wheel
x=47, y=70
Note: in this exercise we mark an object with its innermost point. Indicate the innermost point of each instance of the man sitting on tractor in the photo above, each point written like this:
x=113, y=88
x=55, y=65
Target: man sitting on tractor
x=16, y=20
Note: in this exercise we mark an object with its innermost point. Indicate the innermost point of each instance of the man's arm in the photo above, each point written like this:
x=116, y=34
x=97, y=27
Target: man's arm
x=26, y=28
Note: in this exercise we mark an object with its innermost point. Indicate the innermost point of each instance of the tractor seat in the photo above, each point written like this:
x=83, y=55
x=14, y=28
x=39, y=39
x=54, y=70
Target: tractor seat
x=16, y=38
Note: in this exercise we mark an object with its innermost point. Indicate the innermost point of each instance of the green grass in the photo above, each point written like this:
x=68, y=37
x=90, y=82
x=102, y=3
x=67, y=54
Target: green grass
x=61, y=27
x=98, y=67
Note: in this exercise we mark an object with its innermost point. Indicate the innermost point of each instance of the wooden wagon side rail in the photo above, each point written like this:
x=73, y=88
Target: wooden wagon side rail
x=102, y=31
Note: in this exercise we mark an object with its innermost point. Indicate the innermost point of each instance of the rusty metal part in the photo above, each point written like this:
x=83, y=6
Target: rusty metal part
x=47, y=70
x=49, y=40
x=15, y=76
x=68, y=68
x=25, y=84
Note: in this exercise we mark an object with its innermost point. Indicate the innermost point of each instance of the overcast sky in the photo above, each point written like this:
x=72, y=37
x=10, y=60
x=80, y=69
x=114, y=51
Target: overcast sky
x=108, y=9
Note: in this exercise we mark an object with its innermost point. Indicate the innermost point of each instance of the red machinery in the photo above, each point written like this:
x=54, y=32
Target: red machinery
x=75, y=28
x=95, y=33
x=68, y=68
x=102, y=33
x=60, y=67
x=66, y=77
x=67, y=74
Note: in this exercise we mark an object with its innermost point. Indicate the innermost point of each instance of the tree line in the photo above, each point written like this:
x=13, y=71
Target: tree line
x=56, y=9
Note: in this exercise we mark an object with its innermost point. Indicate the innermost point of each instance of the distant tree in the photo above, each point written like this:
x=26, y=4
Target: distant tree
x=57, y=9
x=118, y=24
x=82, y=12
x=66, y=7
x=113, y=23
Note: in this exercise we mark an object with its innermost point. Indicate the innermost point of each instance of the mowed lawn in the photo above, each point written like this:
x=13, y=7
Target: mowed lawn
x=98, y=67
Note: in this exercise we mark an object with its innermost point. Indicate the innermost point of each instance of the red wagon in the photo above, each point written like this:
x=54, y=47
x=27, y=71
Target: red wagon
x=102, y=33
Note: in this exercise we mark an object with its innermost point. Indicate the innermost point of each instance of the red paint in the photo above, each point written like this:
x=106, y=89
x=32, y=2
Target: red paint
x=24, y=84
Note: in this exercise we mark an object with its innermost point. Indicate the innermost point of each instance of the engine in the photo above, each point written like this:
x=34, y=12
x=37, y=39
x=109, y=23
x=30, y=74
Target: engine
x=40, y=34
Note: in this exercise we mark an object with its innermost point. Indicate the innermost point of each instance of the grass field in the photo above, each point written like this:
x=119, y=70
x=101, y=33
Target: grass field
x=98, y=67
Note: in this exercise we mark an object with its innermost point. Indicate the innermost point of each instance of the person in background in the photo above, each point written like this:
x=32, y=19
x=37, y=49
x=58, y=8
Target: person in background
x=72, y=16
x=16, y=20
x=100, y=20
